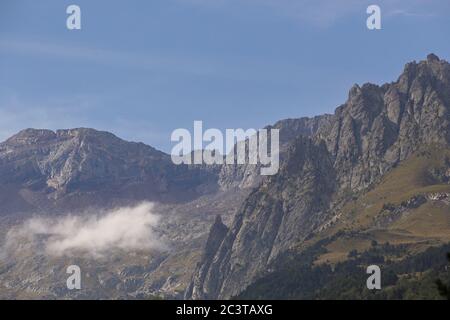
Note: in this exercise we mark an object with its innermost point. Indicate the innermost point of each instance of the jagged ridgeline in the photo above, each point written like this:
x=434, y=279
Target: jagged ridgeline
x=367, y=184
x=370, y=182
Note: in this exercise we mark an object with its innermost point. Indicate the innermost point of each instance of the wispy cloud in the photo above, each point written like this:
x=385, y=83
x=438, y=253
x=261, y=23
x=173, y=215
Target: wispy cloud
x=316, y=12
x=53, y=113
x=113, y=58
x=17, y=113
x=179, y=63
x=406, y=13
x=324, y=13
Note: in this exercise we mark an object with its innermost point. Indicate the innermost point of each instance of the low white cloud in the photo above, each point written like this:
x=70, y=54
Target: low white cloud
x=128, y=228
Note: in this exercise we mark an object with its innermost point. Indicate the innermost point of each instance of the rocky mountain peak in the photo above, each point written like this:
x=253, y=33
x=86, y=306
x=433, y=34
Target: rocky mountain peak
x=40, y=138
x=373, y=131
x=84, y=132
x=432, y=58
x=424, y=73
x=31, y=136
x=45, y=169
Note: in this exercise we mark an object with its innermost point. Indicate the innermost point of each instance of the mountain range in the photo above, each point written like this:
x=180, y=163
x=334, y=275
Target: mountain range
x=367, y=184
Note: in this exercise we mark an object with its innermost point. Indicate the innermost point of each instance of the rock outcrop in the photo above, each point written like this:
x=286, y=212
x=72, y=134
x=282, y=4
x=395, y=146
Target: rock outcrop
x=216, y=235
x=341, y=155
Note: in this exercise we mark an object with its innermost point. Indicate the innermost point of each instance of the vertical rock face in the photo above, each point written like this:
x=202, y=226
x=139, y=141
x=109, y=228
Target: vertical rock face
x=378, y=127
x=283, y=209
x=216, y=235
x=248, y=176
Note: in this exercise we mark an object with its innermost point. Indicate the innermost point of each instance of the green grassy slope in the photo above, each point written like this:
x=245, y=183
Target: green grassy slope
x=384, y=226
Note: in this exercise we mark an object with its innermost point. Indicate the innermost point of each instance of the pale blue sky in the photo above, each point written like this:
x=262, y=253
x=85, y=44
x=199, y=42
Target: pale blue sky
x=141, y=69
